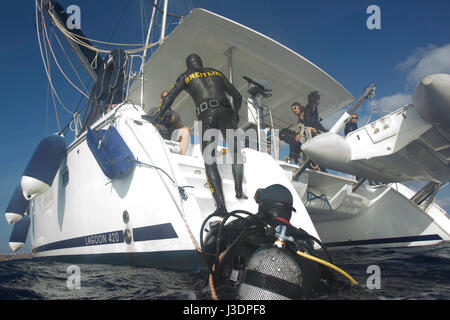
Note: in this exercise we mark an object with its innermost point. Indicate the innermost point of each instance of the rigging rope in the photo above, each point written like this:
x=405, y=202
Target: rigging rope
x=47, y=65
x=76, y=38
x=56, y=61
x=43, y=61
x=68, y=60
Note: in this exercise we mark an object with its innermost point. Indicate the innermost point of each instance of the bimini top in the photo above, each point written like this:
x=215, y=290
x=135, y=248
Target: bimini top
x=254, y=55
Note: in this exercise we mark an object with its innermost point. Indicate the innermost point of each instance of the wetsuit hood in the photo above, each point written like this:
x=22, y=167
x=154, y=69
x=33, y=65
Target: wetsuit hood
x=194, y=62
x=275, y=201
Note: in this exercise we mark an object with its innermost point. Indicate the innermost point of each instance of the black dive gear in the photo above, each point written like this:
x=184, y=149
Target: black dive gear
x=349, y=127
x=254, y=257
x=194, y=62
x=311, y=116
x=275, y=201
x=311, y=113
x=208, y=88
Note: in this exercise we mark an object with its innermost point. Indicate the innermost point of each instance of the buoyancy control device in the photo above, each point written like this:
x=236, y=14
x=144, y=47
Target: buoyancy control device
x=255, y=256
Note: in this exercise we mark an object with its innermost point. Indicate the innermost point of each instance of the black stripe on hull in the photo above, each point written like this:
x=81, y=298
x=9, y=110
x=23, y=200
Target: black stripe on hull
x=155, y=232
x=381, y=241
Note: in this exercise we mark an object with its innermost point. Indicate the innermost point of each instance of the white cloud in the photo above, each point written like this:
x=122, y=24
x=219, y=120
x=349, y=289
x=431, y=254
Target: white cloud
x=425, y=61
x=414, y=58
x=393, y=102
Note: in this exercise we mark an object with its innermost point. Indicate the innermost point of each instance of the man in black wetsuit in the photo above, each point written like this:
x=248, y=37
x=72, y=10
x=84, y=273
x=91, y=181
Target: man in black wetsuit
x=207, y=87
x=311, y=116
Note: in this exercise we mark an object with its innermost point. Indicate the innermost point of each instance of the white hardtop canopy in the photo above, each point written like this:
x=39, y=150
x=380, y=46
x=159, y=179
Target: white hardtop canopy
x=254, y=55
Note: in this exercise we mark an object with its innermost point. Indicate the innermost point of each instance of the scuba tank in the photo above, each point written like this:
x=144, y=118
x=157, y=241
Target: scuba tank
x=254, y=257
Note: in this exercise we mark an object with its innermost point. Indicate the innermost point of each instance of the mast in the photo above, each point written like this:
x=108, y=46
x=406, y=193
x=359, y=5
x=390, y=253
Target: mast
x=144, y=54
x=164, y=18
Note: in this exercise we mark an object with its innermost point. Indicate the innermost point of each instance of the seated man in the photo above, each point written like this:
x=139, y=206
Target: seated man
x=291, y=137
x=171, y=127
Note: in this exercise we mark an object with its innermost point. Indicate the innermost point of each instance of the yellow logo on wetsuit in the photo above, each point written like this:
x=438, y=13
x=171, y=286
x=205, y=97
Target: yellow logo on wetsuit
x=195, y=75
x=209, y=185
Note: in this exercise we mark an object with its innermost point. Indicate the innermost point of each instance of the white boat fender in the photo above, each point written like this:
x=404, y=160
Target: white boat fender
x=19, y=233
x=43, y=165
x=111, y=152
x=17, y=206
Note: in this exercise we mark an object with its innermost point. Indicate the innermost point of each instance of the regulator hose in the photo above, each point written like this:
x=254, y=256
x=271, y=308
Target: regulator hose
x=325, y=263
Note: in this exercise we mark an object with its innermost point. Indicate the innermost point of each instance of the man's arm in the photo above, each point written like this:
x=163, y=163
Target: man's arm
x=232, y=91
x=171, y=96
x=177, y=120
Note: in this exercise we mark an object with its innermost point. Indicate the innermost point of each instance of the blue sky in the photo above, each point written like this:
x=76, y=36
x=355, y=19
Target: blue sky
x=414, y=40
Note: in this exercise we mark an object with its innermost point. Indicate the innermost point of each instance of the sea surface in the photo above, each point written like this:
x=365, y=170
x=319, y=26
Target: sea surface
x=417, y=273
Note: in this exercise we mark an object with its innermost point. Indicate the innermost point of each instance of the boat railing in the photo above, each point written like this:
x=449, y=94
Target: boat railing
x=132, y=75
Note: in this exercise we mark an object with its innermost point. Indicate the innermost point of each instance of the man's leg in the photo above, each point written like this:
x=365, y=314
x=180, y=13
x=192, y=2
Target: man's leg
x=212, y=173
x=237, y=166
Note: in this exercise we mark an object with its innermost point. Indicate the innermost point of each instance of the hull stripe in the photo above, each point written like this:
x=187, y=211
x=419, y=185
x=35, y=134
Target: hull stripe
x=156, y=232
x=428, y=237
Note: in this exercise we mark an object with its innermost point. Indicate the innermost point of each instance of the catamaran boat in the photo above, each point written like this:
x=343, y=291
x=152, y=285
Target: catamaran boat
x=147, y=206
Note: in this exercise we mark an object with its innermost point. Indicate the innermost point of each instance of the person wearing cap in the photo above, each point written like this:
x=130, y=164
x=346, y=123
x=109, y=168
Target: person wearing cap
x=208, y=88
x=352, y=124
x=170, y=127
x=311, y=114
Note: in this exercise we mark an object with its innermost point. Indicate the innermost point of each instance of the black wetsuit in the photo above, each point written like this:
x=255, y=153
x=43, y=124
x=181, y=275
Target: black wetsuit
x=350, y=126
x=311, y=117
x=207, y=87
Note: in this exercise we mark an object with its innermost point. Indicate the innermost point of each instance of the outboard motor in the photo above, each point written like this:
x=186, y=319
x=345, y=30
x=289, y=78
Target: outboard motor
x=254, y=258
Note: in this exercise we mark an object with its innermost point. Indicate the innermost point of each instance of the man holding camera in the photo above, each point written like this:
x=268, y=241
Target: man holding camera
x=171, y=127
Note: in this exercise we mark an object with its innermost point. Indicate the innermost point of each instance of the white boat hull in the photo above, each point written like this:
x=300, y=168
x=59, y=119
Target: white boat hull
x=83, y=216
x=372, y=216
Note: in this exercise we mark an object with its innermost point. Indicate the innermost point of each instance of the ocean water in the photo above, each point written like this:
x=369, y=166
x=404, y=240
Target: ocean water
x=420, y=273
